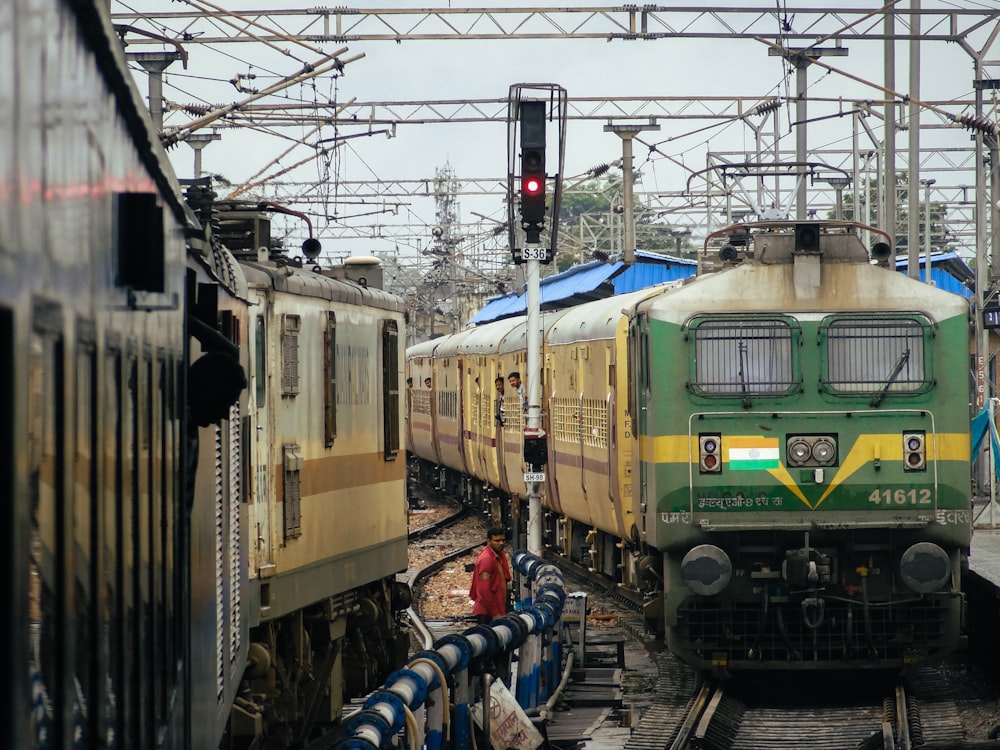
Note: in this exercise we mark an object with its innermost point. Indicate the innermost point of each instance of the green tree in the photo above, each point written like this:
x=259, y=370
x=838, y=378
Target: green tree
x=597, y=201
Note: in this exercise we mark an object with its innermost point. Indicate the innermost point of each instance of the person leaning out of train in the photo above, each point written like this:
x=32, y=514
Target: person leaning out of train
x=514, y=378
x=498, y=412
x=491, y=578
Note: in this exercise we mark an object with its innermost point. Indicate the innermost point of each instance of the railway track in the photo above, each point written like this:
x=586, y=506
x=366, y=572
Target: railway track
x=427, y=538
x=691, y=712
x=827, y=712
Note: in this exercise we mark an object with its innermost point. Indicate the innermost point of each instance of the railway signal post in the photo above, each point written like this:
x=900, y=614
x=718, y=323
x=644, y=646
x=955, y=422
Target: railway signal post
x=528, y=116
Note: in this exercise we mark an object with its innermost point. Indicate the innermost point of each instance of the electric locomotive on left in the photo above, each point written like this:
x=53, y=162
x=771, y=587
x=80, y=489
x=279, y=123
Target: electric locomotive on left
x=145, y=607
x=93, y=366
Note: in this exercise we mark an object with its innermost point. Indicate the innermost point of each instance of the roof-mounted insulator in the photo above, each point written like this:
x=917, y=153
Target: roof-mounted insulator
x=978, y=123
x=765, y=108
x=599, y=170
x=196, y=110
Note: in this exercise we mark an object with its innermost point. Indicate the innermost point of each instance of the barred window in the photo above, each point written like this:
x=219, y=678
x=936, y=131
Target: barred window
x=473, y=416
x=578, y=421
x=330, y=381
x=744, y=357
x=482, y=411
x=875, y=355
x=420, y=401
x=594, y=423
x=513, y=414
x=565, y=422
x=447, y=404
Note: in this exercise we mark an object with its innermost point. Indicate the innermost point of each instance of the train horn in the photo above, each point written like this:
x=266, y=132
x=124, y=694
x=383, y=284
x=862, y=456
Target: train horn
x=881, y=251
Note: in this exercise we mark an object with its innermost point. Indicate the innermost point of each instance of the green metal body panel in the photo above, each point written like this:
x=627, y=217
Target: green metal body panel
x=858, y=513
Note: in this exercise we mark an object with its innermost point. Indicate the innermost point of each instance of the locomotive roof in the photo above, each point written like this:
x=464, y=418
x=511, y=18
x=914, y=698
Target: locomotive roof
x=309, y=283
x=751, y=288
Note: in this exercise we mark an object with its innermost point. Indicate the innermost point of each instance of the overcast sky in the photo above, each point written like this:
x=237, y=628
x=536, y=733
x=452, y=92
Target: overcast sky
x=457, y=70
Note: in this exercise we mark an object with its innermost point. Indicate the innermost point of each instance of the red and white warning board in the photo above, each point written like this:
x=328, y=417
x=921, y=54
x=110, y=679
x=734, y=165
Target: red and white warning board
x=510, y=727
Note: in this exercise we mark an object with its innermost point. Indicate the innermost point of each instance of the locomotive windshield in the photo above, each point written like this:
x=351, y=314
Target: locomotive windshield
x=875, y=356
x=744, y=357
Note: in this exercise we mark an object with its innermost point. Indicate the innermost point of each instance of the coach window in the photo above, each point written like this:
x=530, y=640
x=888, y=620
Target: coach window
x=390, y=388
x=330, y=380
x=744, y=356
x=875, y=356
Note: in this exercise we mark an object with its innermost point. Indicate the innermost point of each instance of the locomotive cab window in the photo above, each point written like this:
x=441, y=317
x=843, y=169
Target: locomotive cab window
x=875, y=356
x=744, y=356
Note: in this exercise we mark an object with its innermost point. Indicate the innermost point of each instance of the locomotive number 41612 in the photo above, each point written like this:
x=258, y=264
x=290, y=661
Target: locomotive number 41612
x=911, y=496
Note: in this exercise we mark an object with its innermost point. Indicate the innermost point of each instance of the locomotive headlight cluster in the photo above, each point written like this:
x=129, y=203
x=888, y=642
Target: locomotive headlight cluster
x=914, y=451
x=811, y=450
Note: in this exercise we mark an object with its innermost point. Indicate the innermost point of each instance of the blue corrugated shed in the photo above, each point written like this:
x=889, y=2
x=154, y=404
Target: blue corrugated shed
x=948, y=272
x=597, y=280
x=588, y=281
x=650, y=270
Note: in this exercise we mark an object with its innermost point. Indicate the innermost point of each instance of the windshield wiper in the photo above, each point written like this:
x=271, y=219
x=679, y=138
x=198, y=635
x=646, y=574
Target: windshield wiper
x=900, y=363
x=744, y=357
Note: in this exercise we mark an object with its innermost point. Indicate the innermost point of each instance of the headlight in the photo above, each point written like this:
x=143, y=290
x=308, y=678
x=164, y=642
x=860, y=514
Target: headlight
x=824, y=451
x=798, y=451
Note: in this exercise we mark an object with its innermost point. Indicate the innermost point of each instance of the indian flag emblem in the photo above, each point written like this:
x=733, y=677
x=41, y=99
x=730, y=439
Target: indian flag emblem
x=749, y=453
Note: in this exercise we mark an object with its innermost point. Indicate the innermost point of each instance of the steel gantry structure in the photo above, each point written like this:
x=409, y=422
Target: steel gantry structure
x=205, y=23
x=968, y=179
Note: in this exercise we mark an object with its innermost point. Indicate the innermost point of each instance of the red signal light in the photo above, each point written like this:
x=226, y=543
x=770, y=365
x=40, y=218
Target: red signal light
x=532, y=185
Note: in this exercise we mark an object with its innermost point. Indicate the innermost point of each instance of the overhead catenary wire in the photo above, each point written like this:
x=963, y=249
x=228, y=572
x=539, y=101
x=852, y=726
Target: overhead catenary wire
x=299, y=142
x=174, y=135
x=221, y=14
x=969, y=121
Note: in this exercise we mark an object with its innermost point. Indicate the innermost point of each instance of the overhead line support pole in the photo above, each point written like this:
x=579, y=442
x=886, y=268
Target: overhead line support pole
x=627, y=133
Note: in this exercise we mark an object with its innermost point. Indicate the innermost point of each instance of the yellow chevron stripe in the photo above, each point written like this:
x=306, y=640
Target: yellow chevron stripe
x=945, y=446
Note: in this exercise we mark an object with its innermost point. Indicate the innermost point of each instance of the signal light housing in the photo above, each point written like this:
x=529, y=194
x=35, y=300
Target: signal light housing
x=710, y=454
x=532, y=188
x=914, y=451
x=532, y=169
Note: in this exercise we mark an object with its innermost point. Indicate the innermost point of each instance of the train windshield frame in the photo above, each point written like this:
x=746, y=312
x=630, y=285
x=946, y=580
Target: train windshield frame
x=866, y=355
x=750, y=355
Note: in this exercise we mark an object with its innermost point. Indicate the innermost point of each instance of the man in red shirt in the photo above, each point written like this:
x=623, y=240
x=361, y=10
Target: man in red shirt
x=491, y=578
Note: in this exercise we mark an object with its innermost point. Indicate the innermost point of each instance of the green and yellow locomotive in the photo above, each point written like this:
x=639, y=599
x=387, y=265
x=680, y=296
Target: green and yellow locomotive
x=804, y=456
x=773, y=456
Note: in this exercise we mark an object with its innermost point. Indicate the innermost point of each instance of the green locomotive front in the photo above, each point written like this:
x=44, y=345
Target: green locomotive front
x=803, y=421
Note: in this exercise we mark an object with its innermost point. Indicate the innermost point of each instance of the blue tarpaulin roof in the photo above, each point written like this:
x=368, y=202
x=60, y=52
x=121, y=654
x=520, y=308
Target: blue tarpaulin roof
x=948, y=272
x=594, y=280
x=597, y=280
